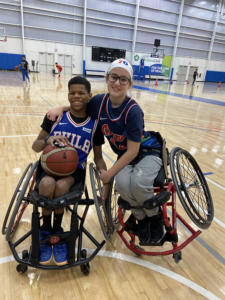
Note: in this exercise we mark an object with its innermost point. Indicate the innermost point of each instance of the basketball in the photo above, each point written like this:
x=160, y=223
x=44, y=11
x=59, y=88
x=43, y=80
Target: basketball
x=59, y=161
x=16, y=68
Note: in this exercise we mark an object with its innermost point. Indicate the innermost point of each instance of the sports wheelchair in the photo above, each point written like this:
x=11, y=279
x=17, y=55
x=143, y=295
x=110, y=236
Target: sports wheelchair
x=26, y=198
x=187, y=181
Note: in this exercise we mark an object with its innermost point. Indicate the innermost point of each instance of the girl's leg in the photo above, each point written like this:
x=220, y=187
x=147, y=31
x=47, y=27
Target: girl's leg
x=142, y=180
x=123, y=186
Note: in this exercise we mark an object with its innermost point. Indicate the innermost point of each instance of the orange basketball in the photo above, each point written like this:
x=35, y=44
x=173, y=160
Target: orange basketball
x=59, y=161
x=16, y=68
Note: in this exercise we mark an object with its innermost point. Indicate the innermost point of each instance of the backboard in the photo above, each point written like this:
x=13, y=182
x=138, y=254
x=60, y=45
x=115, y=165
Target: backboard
x=3, y=37
x=157, y=52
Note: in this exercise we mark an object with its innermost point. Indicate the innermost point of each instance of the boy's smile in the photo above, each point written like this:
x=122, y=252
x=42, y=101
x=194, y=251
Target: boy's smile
x=78, y=98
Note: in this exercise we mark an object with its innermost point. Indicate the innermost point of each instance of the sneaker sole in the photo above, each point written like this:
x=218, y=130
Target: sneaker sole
x=45, y=262
x=63, y=263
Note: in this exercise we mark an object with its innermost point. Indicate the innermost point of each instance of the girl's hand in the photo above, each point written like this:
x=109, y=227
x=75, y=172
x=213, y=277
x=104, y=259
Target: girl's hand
x=104, y=176
x=55, y=114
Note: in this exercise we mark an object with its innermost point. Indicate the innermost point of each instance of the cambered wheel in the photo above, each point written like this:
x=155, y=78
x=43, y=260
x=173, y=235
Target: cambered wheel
x=17, y=191
x=112, y=207
x=191, y=187
x=19, y=202
x=100, y=205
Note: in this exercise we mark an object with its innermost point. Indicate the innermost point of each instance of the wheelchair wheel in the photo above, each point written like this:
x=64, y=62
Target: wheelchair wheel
x=17, y=190
x=112, y=206
x=100, y=205
x=19, y=202
x=191, y=187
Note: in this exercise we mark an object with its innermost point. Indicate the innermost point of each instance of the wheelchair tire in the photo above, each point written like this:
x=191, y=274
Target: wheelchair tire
x=17, y=190
x=112, y=207
x=18, y=207
x=191, y=187
x=100, y=205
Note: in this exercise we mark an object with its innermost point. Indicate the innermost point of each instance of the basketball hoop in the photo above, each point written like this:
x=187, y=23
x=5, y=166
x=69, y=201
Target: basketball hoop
x=3, y=37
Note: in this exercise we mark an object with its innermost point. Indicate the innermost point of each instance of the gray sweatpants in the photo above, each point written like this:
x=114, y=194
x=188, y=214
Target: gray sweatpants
x=135, y=184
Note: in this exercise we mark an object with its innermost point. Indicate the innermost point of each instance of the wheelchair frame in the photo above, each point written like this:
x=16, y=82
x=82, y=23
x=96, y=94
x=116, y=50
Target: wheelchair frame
x=186, y=175
x=25, y=195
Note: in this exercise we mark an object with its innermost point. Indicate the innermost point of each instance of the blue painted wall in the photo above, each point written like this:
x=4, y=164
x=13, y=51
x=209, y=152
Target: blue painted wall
x=215, y=76
x=8, y=61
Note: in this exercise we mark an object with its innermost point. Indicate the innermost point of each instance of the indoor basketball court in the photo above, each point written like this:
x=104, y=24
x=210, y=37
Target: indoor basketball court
x=166, y=41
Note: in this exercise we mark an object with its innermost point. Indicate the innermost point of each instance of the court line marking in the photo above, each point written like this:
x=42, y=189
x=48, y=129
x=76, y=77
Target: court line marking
x=146, y=264
x=199, y=99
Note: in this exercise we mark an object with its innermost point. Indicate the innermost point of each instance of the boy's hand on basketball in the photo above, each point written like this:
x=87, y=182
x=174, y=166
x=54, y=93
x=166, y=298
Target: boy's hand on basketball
x=60, y=141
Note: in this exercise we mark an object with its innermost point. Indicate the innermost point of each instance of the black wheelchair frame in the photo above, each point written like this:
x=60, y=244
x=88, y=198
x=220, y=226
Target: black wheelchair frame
x=187, y=181
x=25, y=195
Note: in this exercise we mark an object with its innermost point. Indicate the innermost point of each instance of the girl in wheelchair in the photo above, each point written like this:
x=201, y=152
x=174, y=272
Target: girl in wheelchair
x=121, y=120
x=77, y=123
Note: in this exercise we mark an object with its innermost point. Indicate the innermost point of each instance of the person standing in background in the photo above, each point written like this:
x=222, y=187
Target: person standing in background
x=59, y=68
x=195, y=76
x=24, y=69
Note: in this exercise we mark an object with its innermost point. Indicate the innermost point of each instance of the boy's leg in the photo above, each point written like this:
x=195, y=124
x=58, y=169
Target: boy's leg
x=60, y=251
x=142, y=180
x=46, y=188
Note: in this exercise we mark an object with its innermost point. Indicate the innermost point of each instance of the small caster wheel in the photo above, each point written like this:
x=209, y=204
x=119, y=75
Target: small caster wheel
x=83, y=253
x=85, y=268
x=20, y=268
x=25, y=254
x=177, y=256
x=138, y=248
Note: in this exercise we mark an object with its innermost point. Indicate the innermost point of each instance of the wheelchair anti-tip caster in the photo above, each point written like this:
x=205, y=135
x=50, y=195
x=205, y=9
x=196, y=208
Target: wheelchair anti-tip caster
x=85, y=268
x=177, y=256
x=25, y=254
x=20, y=268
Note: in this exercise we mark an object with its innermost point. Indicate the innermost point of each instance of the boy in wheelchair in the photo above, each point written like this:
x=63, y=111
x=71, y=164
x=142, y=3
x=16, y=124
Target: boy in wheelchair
x=139, y=153
x=74, y=123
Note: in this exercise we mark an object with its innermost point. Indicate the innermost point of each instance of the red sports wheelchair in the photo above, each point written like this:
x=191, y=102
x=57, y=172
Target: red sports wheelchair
x=26, y=200
x=187, y=181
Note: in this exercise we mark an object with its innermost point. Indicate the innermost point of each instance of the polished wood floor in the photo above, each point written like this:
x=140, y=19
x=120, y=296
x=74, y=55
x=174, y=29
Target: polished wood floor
x=190, y=117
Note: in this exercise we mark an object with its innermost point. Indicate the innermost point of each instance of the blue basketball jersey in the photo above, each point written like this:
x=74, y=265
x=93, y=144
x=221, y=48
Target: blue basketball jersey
x=80, y=135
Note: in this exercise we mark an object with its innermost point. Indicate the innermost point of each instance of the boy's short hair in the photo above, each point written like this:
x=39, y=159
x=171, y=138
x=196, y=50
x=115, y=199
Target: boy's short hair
x=80, y=80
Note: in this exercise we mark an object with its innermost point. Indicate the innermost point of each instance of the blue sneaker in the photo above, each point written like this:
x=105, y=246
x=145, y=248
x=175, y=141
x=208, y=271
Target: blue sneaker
x=45, y=250
x=60, y=254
